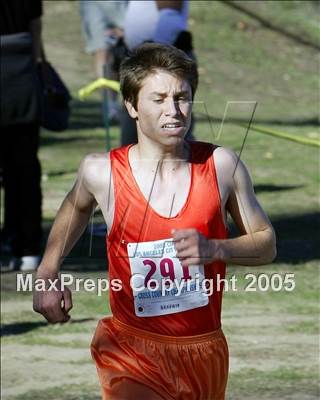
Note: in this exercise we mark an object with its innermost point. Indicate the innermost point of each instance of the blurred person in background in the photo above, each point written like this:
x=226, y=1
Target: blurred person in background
x=102, y=25
x=155, y=21
x=21, y=49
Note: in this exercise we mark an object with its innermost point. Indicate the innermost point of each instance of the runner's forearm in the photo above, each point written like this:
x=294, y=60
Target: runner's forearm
x=68, y=226
x=257, y=248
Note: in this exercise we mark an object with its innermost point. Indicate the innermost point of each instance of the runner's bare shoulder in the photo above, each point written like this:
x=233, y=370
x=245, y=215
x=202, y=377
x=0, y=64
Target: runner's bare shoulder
x=95, y=170
x=229, y=166
x=225, y=161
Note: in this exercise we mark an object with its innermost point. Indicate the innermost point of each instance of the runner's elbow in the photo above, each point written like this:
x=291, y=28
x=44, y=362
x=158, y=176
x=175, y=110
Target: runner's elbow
x=271, y=247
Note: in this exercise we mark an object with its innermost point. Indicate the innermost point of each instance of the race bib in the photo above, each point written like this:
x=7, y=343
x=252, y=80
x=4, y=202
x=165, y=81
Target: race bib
x=160, y=285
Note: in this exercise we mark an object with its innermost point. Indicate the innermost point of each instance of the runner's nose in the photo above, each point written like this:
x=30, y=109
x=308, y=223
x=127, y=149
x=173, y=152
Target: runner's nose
x=172, y=108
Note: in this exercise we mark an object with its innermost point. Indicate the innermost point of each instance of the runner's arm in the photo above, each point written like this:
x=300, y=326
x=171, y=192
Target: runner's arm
x=69, y=224
x=256, y=244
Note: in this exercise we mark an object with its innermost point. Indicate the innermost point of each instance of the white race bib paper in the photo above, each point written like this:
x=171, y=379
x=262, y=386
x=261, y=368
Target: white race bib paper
x=160, y=285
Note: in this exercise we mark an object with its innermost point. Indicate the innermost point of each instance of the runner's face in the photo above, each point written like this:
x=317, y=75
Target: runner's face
x=164, y=108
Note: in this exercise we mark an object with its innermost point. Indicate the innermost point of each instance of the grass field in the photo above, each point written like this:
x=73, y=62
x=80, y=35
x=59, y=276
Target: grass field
x=273, y=336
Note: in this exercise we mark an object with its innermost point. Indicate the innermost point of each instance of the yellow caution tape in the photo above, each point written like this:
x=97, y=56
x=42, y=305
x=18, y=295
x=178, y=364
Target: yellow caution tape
x=283, y=135
x=100, y=83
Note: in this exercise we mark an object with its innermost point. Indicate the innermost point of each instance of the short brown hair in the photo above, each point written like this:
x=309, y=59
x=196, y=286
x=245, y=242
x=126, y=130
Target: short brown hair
x=149, y=57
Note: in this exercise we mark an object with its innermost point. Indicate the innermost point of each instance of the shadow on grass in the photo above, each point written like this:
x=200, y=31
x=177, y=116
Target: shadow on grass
x=86, y=115
x=275, y=188
x=297, y=237
x=20, y=328
x=59, y=138
x=61, y=172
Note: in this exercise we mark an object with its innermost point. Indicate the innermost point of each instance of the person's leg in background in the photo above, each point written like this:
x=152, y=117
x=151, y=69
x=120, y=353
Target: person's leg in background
x=98, y=17
x=23, y=198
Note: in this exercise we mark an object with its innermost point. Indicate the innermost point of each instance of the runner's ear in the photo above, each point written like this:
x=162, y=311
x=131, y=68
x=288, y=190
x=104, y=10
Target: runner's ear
x=131, y=110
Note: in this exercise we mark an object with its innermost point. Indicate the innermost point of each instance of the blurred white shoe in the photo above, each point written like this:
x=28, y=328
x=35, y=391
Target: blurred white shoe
x=29, y=263
x=25, y=263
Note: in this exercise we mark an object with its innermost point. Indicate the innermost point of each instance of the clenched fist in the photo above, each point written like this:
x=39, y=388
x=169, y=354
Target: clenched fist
x=53, y=303
x=193, y=248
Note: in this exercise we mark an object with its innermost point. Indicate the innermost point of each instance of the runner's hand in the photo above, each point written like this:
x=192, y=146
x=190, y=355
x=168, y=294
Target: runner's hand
x=53, y=303
x=193, y=248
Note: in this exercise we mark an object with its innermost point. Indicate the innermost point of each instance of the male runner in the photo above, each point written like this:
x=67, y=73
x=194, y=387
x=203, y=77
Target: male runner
x=165, y=202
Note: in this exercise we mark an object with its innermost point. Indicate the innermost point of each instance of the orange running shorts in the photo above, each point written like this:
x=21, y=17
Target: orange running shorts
x=135, y=364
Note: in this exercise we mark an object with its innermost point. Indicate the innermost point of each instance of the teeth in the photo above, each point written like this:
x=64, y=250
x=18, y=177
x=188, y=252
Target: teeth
x=171, y=125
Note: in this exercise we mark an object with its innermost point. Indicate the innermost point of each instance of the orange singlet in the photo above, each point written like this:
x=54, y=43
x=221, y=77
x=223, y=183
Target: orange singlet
x=162, y=342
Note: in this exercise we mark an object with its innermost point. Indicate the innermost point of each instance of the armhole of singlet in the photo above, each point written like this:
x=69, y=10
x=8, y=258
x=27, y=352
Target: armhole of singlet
x=216, y=183
x=115, y=192
x=116, y=186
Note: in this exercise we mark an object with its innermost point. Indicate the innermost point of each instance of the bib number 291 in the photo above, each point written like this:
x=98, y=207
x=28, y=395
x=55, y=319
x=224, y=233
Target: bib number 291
x=167, y=270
